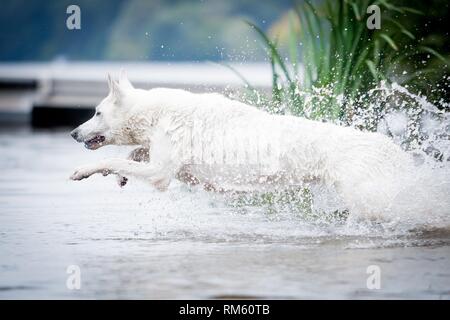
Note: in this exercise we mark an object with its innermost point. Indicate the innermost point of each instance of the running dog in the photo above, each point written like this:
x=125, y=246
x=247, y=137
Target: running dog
x=225, y=144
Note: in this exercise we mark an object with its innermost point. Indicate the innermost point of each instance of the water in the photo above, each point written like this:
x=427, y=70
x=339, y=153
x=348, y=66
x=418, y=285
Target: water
x=136, y=242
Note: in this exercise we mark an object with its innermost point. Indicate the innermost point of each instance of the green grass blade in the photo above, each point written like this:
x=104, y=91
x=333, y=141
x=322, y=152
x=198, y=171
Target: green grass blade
x=293, y=36
x=373, y=70
x=436, y=54
x=389, y=40
x=239, y=75
x=273, y=50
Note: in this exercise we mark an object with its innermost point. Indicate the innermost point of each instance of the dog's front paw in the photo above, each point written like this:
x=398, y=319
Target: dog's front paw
x=121, y=181
x=80, y=174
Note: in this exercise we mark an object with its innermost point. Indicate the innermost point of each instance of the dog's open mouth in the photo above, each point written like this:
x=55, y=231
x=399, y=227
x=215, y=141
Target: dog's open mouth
x=95, y=142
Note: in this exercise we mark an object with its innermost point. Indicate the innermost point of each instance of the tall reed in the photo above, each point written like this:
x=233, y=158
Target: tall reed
x=334, y=58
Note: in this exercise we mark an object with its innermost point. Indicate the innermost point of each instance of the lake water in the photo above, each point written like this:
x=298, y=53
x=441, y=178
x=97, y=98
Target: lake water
x=136, y=242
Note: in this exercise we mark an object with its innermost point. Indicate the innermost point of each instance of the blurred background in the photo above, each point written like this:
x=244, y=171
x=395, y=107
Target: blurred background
x=139, y=30
x=50, y=75
x=314, y=59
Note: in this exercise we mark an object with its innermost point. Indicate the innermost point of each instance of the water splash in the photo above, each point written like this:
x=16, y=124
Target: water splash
x=422, y=129
x=422, y=194
x=413, y=122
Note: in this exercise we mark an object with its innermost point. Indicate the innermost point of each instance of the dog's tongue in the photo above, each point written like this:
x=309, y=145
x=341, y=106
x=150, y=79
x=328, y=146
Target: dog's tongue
x=96, y=140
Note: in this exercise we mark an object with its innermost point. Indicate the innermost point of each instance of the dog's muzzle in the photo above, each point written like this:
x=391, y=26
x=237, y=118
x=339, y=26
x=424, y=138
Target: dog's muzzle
x=92, y=143
x=75, y=135
x=95, y=142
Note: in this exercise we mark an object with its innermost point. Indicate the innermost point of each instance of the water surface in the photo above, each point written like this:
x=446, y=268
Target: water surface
x=136, y=242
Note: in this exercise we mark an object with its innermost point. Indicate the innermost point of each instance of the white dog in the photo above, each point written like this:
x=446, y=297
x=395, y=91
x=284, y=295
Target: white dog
x=228, y=145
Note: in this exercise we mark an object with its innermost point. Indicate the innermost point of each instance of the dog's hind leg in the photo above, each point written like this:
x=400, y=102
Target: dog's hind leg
x=139, y=155
x=157, y=175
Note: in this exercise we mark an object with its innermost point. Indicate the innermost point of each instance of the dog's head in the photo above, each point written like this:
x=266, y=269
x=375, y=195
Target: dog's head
x=107, y=124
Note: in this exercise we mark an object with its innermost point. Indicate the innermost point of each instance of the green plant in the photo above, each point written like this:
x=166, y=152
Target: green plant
x=340, y=58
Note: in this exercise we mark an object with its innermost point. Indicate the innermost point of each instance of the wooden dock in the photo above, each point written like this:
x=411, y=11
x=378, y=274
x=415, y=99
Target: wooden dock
x=64, y=93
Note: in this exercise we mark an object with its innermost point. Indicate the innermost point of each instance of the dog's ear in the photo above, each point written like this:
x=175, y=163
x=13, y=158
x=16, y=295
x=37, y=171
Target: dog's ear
x=114, y=88
x=123, y=80
x=110, y=82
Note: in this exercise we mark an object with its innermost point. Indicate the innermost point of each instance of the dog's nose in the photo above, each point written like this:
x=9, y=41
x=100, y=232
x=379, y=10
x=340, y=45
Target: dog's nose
x=74, y=134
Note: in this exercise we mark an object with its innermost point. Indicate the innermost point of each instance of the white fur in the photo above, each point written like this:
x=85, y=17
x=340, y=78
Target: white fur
x=228, y=145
